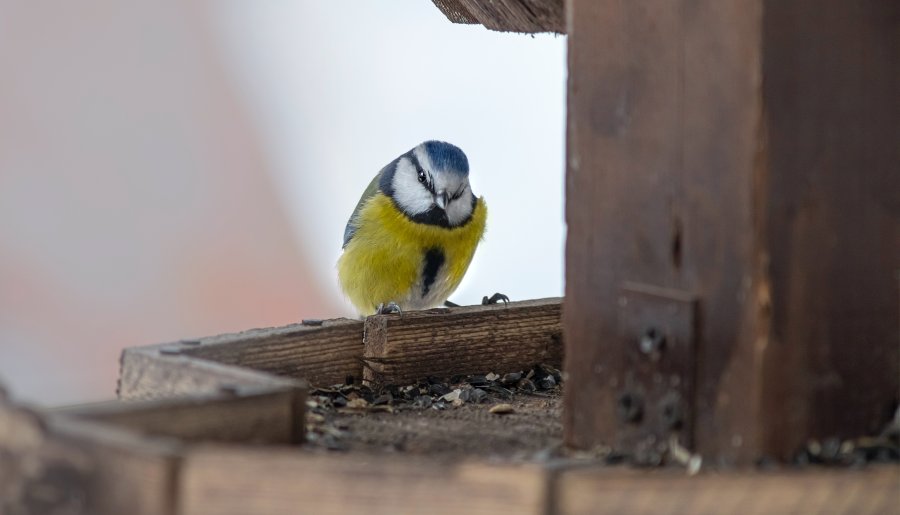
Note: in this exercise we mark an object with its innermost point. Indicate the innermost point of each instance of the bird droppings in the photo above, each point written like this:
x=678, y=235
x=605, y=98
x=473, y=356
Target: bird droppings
x=450, y=417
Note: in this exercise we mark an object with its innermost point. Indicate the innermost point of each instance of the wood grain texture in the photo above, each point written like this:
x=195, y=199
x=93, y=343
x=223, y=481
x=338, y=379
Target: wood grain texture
x=52, y=464
x=831, y=235
x=227, y=481
x=662, y=128
x=322, y=354
x=873, y=491
x=153, y=372
x=743, y=153
x=254, y=416
x=412, y=346
x=528, y=16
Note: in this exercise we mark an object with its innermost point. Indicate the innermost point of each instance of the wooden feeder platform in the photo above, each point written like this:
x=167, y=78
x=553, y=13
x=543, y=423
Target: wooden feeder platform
x=221, y=425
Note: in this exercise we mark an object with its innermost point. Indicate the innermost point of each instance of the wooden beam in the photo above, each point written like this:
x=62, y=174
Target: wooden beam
x=739, y=157
x=507, y=15
x=322, y=352
x=163, y=371
x=249, y=415
x=872, y=491
x=57, y=464
x=466, y=340
x=225, y=481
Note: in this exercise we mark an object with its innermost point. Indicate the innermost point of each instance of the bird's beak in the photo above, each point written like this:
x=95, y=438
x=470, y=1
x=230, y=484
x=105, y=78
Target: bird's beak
x=442, y=199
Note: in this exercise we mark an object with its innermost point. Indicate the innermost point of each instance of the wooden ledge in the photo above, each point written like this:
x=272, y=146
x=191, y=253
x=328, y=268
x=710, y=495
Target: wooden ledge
x=442, y=342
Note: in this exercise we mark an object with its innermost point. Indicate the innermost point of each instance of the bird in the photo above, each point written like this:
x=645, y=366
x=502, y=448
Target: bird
x=412, y=236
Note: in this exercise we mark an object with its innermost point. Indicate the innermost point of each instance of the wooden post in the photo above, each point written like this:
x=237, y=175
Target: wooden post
x=733, y=169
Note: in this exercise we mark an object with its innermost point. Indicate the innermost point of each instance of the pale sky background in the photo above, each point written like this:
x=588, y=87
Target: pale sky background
x=175, y=169
x=340, y=88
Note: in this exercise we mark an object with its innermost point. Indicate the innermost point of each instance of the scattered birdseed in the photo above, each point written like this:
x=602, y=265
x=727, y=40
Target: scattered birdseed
x=526, y=385
x=358, y=403
x=502, y=409
x=433, y=393
x=452, y=396
x=511, y=378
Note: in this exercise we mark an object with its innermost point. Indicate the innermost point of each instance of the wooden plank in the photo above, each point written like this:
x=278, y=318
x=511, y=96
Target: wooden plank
x=258, y=415
x=831, y=236
x=781, y=221
x=507, y=15
x=272, y=481
x=163, y=371
x=322, y=352
x=466, y=340
x=872, y=491
x=55, y=464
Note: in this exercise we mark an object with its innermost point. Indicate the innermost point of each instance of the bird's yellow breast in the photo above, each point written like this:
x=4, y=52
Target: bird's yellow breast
x=384, y=260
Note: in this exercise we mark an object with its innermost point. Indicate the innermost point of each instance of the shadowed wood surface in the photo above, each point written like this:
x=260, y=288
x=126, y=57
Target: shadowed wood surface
x=161, y=371
x=831, y=234
x=53, y=464
x=405, y=348
x=56, y=463
x=742, y=153
x=249, y=415
x=507, y=15
x=227, y=481
x=874, y=491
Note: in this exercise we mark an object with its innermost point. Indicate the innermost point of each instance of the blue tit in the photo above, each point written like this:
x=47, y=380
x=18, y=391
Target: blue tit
x=413, y=233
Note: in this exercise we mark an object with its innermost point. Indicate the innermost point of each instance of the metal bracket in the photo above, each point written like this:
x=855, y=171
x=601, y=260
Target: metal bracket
x=655, y=400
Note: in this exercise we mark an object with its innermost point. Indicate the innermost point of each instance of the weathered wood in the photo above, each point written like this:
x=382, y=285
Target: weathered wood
x=248, y=415
x=873, y=491
x=831, y=233
x=743, y=154
x=52, y=464
x=465, y=340
x=320, y=352
x=270, y=481
x=162, y=371
x=507, y=15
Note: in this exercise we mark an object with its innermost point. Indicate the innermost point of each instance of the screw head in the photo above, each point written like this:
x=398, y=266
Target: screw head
x=652, y=342
x=671, y=411
x=630, y=407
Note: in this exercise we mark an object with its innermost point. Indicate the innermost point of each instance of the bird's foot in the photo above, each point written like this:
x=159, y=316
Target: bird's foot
x=494, y=299
x=387, y=309
x=448, y=304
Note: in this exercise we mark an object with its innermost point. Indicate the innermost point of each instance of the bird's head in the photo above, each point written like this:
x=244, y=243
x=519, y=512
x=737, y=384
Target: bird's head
x=430, y=184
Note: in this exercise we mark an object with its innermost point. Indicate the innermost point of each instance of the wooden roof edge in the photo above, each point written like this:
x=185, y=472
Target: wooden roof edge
x=526, y=16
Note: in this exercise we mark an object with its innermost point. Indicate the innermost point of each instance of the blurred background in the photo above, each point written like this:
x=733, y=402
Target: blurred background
x=175, y=169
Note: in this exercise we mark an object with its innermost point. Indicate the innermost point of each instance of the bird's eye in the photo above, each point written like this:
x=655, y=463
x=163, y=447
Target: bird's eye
x=422, y=176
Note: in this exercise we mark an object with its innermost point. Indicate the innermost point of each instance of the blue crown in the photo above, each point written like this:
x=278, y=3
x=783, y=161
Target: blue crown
x=447, y=157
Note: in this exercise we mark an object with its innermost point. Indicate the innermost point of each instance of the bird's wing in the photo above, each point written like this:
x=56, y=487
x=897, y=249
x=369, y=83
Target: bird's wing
x=370, y=192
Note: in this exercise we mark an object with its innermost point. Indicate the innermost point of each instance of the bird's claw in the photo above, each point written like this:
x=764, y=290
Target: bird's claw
x=494, y=299
x=387, y=309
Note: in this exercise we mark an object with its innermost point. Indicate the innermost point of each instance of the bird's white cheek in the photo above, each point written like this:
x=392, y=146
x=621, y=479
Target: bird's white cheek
x=459, y=210
x=411, y=196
